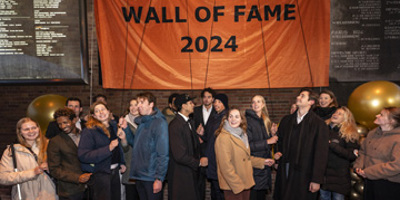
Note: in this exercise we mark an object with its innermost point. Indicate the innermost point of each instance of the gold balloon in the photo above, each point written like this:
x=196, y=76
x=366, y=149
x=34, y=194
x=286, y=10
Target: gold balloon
x=354, y=176
x=42, y=109
x=368, y=99
x=359, y=187
x=362, y=130
x=354, y=195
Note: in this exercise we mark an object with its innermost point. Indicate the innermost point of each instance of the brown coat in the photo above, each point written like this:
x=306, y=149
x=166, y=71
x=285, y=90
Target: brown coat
x=379, y=155
x=234, y=163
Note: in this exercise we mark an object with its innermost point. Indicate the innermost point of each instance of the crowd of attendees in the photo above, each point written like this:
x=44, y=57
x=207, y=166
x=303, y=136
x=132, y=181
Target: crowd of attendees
x=103, y=156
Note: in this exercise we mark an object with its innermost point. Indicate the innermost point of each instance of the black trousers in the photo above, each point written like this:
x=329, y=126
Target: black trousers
x=381, y=189
x=105, y=186
x=131, y=192
x=258, y=194
x=79, y=196
x=145, y=191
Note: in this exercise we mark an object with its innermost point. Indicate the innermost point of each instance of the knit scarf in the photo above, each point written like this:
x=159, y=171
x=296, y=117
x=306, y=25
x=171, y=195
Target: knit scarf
x=237, y=132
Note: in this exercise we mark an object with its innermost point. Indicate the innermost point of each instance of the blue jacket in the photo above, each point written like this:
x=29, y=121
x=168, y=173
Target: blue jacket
x=150, y=147
x=94, y=152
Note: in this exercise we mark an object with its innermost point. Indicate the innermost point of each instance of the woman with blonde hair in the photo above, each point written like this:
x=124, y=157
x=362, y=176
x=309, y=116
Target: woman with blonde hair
x=234, y=162
x=31, y=180
x=261, y=133
x=101, y=154
x=379, y=157
x=343, y=149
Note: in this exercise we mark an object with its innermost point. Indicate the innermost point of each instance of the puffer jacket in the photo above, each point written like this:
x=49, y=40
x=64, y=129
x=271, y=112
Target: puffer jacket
x=33, y=187
x=258, y=146
x=150, y=153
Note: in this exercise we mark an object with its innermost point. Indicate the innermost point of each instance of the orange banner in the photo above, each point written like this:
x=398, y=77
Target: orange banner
x=224, y=44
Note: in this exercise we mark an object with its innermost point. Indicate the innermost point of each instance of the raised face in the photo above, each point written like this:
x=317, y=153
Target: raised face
x=338, y=117
x=234, y=118
x=302, y=100
x=382, y=119
x=207, y=99
x=29, y=131
x=218, y=106
x=75, y=106
x=65, y=124
x=145, y=108
x=325, y=100
x=101, y=113
x=257, y=104
x=188, y=107
x=133, y=107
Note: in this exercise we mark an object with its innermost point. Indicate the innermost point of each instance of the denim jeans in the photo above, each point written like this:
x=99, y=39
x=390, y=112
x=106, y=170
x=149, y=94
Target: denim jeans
x=328, y=195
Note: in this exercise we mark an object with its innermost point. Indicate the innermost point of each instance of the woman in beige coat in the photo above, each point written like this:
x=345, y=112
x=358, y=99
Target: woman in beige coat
x=234, y=162
x=31, y=161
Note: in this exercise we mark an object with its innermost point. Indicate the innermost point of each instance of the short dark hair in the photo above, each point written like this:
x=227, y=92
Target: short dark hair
x=394, y=113
x=209, y=90
x=64, y=112
x=98, y=96
x=311, y=96
x=73, y=99
x=171, y=97
x=149, y=96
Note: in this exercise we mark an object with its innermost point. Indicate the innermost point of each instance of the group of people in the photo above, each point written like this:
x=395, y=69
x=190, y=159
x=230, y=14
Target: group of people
x=103, y=156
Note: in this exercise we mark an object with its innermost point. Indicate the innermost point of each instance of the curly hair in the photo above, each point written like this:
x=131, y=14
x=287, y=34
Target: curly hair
x=64, y=112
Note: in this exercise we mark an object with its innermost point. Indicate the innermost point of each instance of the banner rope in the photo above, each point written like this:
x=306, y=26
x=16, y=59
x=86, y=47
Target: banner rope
x=305, y=44
x=266, y=63
x=209, y=49
x=140, y=49
x=125, y=62
x=190, y=55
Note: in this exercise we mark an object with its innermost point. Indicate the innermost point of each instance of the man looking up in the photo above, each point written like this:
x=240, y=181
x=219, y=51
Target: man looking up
x=184, y=162
x=303, y=151
x=75, y=104
x=149, y=148
x=62, y=157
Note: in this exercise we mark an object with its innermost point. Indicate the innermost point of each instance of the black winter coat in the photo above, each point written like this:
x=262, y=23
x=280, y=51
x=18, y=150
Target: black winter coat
x=209, y=137
x=258, y=137
x=305, y=148
x=337, y=175
x=184, y=160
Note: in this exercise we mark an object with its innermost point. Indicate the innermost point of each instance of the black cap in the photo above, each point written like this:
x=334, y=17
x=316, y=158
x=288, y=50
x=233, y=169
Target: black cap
x=182, y=99
x=223, y=98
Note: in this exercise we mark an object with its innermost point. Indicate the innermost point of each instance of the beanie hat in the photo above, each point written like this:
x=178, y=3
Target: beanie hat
x=223, y=98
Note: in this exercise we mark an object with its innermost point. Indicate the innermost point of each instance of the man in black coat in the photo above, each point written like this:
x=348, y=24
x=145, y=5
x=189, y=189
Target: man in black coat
x=62, y=157
x=184, y=153
x=303, y=150
x=201, y=116
x=221, y=107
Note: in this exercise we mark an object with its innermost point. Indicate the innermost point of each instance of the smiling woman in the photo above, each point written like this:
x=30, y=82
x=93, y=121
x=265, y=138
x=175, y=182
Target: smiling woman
x=29, y=160
x=101, y=154
x=327, y=104
x=234, y=162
